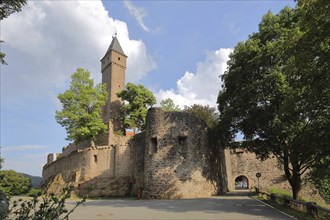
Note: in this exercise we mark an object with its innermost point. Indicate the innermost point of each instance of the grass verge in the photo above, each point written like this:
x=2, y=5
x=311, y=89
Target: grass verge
x=288, y=210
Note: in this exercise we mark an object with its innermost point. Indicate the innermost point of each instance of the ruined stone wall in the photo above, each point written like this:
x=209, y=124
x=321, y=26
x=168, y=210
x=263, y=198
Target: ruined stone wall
x=243, y=163
x=80, y=165
x=137, y=148
x=175, y=161
x=85, y=165
x=74, y=147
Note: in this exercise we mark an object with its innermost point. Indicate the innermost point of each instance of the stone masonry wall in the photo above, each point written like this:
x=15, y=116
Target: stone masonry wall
x=74, y=147
x=175, y=161
x=80, y=165
x=137, y=148
x=85, y=165
x=243, y=163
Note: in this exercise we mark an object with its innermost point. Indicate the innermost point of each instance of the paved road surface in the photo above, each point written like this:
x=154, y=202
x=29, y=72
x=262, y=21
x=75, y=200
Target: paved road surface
x=219, y=207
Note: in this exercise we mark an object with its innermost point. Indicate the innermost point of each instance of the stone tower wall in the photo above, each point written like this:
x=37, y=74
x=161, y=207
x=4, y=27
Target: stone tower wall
x=137, y=148
x=113, y=67
x=175, y=161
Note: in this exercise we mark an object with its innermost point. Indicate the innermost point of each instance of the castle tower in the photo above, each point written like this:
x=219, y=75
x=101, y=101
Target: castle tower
x=113, y=67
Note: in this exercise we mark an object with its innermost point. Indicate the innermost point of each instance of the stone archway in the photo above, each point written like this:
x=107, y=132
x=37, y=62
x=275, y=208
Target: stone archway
x=241, y=183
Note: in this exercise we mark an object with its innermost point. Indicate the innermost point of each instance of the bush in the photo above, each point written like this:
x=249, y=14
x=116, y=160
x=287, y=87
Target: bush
x=34, y=192
x=13, y=183
x=50, y=207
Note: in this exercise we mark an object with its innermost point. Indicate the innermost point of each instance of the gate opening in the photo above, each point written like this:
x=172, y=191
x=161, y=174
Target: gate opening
x=241, y=182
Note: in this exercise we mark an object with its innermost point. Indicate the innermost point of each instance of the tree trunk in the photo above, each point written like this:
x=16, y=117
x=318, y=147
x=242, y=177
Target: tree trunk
x=296, y=189
x=293, y=175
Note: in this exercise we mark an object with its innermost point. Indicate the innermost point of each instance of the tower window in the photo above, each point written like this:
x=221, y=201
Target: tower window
x=153, y=147
x=182, y=140
x=95, y=158
x=183, y=148
x=118, y=58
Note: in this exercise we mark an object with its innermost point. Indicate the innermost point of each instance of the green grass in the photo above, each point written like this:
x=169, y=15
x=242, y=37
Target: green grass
x=288, y=210
x=282, y=192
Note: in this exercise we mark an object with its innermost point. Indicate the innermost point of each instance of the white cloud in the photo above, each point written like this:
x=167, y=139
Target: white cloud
x=48, y=40
x=138, y=12
x=201, y=87
x=23, y=148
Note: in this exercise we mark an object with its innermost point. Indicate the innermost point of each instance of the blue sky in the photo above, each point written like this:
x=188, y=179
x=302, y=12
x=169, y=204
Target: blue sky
x=175, y=48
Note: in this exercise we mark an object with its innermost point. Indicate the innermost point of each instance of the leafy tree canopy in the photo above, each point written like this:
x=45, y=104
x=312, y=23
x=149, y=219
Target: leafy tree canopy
x=1, y=161
x=320, y=177
x=276, y=89
x=207, y=113
x=313, y=59
x=168, y=105
x=138, y=100
x=13, y=183
x=82, y=104
x=7, y=7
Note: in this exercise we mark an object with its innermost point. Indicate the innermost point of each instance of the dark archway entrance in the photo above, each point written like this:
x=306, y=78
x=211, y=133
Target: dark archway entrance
x=241, y=182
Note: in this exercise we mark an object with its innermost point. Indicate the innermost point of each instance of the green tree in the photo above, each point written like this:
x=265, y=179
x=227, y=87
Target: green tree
x=313, y=62
x=320, y=177
x=7, y=7
x=1, y=161
x=168, y=105
x=271, y=98
x=139, y=99
x=207, y=113
x=82, y=104
x=13, y=183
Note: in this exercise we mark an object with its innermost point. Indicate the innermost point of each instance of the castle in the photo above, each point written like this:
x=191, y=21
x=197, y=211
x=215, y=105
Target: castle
x=171, y=158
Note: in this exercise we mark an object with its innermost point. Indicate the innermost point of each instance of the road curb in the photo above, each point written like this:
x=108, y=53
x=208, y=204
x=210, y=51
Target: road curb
x=290, y=216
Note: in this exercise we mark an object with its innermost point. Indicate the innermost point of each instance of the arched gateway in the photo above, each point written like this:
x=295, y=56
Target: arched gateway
x=241, y=182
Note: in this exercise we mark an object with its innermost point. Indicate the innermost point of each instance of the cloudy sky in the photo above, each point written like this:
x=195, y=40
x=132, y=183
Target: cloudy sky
x=177, y=49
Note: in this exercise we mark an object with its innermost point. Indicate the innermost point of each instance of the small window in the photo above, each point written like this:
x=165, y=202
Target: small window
x=118, y=58
x=95, y=158
x=153, y=147
x=183, y=148
x=182, y=140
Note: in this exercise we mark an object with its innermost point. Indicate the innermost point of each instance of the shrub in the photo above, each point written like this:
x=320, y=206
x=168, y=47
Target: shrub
x=50, y=207
x=13, y=183
x=34, y=192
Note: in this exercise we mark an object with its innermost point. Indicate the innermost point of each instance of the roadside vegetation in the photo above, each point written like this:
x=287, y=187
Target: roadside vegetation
x=42, y=207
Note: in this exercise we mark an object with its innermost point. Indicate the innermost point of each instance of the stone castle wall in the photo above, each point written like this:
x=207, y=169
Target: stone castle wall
x=86, y=164
x=137, y=149
x=175, y=162
x=243, y=163
x=74, y=147
x=173, y=158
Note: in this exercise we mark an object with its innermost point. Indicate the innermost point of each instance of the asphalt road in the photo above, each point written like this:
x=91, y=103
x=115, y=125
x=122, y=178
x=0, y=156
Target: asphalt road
x=218, y=207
